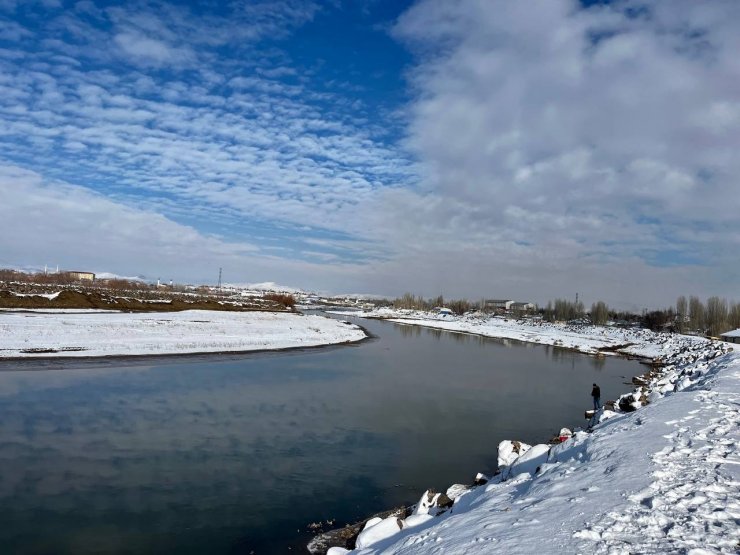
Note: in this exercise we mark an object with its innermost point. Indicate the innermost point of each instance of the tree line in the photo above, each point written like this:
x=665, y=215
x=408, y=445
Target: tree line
x=713, y=318
x=417, y=302
x=690, y=315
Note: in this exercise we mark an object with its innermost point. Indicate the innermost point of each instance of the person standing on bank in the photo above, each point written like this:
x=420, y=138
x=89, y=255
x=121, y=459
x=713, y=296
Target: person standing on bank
x=596, y=394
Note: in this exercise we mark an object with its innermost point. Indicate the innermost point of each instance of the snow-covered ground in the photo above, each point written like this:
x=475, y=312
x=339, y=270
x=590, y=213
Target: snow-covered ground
x=96, y=333
x=587, y=339
x=662, y=479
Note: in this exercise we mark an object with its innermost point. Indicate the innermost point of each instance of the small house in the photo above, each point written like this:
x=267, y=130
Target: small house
x=498, y=304
x=731, y=336
x=80, y=276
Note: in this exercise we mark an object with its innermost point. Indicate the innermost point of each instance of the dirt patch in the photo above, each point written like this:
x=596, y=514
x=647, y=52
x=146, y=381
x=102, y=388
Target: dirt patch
x=104, y=300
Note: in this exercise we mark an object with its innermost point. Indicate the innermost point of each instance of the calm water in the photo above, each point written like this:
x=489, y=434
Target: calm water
x=238, y=454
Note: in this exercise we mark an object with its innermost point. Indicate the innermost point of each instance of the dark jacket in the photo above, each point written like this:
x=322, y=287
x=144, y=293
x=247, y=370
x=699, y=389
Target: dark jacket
x=596, y=392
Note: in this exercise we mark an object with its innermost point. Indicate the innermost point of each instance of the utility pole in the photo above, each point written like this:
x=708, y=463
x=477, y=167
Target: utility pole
x=219, y=278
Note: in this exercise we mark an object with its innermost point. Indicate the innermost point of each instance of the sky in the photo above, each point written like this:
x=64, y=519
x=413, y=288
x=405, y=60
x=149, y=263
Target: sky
x=470, y=148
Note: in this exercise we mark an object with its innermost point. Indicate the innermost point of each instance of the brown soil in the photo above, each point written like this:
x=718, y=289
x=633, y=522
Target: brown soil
x=108, y=301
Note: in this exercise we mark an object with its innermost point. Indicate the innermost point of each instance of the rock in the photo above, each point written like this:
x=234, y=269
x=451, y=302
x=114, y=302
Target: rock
x=456, y=490
x=433, y=503
x=444, y=502
x=346, y=537
x=626, y=403
x=509, y=451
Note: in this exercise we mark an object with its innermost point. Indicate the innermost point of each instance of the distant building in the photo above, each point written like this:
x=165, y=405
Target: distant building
x=80, y=276
x=524, y=307
x=498, y=304
x=731, y=336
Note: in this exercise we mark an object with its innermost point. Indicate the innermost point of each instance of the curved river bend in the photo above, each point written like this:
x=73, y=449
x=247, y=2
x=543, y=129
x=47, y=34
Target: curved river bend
x=237, y=454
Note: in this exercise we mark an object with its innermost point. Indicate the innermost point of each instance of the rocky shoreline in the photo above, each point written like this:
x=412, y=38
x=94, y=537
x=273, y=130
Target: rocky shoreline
x=673, y=369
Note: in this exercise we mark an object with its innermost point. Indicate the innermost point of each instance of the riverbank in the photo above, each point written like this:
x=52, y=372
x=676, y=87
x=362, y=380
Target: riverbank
x=661, y=479
x=593, y=340
x=104, y=334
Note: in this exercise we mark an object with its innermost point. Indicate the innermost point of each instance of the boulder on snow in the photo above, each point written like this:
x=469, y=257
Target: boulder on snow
x=509, y=451
x=346, y=536
x=626, y=403
x=385, y=528
x=456, y=490
x=433, y=503
x=480, y=479
x=530, y=461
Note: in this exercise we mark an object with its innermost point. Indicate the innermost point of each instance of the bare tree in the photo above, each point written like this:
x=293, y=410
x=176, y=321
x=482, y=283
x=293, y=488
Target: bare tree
x=696, y=314
x=599, y=313
x=733, y=317
x=459, y=306
x=716, y=316
x=567, y=310
x=682, y=312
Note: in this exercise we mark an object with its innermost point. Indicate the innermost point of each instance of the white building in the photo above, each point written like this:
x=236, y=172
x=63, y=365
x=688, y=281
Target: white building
x=499, y=304
x=81, y=276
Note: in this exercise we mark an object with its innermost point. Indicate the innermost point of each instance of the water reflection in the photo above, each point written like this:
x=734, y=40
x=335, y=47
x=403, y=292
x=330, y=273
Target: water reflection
x=434, y=333
x=228, y=454
x=407, y=330
x=598, y=362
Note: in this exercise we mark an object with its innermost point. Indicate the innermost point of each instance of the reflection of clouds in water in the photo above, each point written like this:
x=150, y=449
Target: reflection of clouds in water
x=125, y=428
x=13, y=382
x=233, y=442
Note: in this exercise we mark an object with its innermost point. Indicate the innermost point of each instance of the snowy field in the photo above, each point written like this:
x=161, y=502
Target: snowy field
x=662, y=479
x=95, y=333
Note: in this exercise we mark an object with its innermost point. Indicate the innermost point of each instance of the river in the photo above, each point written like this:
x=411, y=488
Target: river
x=239, y=453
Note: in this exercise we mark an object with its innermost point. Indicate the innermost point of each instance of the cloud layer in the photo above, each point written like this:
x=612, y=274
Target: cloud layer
x=576, y=145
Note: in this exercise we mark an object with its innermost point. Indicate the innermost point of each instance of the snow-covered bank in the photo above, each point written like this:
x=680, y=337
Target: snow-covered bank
x=663, y=479
x=587, y=339
x=94, y=333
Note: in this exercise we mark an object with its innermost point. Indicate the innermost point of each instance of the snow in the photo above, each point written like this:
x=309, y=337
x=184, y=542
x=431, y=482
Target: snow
x=62, y=310
x=94, y=333
x=50, y=296
x=585, y=338
x=265, y=286
x=662, y=479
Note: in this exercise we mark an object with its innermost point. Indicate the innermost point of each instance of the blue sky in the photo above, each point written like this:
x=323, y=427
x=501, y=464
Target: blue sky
x=473, y=148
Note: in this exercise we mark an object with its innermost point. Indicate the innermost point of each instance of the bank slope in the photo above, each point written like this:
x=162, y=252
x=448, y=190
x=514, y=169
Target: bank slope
x=94, y=334
x=663, y=479
x=584, y=338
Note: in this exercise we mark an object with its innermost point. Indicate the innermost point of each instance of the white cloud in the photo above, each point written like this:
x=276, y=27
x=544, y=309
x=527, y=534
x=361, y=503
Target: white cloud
x=150, y=50
x=562, y=147
x=58, y=223
x=555, y=150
